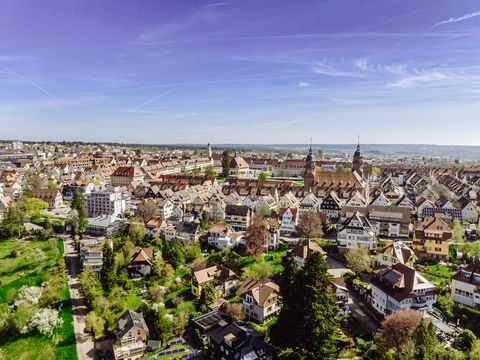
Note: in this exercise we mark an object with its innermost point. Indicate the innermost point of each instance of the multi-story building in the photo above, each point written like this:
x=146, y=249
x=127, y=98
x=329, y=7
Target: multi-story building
x=53, y=197
x=355, y=231
x=466, y=285
x=222, y=278
x=238, y=217
x=106, y=202
x=431, y=238
x=222, y=236
x=131, y=336
x=396, y=253
x=400, y=288
x=124, y=175
x=91, y=254
x=288, y=218
x=260, y=299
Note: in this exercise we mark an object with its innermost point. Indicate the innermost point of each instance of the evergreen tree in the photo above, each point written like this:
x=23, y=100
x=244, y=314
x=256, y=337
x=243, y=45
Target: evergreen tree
x=226, y=163
x=307, y=321
x=207, y=297
x=425, y=342
x=107, y=274
x=172, y=253
x=78, y=204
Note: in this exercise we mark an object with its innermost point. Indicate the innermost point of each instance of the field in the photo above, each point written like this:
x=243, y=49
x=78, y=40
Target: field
x=25, y=269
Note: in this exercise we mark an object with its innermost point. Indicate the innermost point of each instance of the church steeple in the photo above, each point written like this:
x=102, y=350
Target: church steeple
x=309, y=173
x=357, y=164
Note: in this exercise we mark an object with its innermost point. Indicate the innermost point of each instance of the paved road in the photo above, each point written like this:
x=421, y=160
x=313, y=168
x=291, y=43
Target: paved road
x=85, y=345
x=357, y=307
x=337, y=269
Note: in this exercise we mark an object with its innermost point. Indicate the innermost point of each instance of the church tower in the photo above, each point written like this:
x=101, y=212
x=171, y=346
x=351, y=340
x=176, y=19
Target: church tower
x=358, y=160
x=209, y=153
x=309, y=173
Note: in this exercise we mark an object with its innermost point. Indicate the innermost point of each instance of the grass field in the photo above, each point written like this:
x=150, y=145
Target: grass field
x=26, y=270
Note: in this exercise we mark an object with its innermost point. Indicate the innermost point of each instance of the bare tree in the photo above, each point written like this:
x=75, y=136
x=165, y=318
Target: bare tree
x=310, y=225
x=146, y=210
x=397, y=329
x=257, y=235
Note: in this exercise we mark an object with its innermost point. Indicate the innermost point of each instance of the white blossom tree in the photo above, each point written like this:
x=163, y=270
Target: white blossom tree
x=46, y=321
x=28, y=294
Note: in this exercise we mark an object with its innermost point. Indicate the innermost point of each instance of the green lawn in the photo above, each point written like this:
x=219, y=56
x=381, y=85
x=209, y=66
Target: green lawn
x=273, y=257
x=24, y=270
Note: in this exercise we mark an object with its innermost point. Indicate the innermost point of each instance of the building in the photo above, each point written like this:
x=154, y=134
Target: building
x=53, y=197
x=400, y=288
x=124, y=175
x=431, y=239
x=131, y=336
x=260, y=299
x=470, y=212
x=107, y=202
x=466, y=285
x=331, y=206
x=238, y=217
x=288, y=218
x=106, y=225
x=302, y=251
x=355, y=231
x=222, y=236
x=396, y=253
x=239, y=168
x=234, y=341
x=222, y=278
x=91, y=254
x=141, y=263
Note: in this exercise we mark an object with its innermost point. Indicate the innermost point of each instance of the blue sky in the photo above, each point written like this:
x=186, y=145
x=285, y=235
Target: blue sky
x=241, y=71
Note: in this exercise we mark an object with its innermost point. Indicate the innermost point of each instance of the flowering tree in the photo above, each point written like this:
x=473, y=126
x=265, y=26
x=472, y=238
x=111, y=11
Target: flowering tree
x=46, y=321
x=28, y=294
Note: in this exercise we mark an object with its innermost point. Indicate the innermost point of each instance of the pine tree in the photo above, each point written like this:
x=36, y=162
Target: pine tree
x=107, y=274
x=424, y=342
x=307, y=321
x=207, y=297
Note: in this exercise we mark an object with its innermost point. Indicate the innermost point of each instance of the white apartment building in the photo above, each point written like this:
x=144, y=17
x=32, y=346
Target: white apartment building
x=106, y=202
x=466, y=285
x=355, y=231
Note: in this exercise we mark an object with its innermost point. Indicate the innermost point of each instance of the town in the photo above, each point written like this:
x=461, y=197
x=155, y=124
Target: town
x=110, y=251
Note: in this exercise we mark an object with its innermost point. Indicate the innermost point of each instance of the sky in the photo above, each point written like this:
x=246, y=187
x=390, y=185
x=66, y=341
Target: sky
x=241, y=71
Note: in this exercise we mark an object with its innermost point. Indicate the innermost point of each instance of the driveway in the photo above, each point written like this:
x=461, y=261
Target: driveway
x=85, y=345
x=337, y=269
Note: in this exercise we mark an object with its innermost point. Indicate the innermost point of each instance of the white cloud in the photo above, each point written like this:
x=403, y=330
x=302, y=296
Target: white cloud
x=417, y=77
x=458, y=19
x=303, y=84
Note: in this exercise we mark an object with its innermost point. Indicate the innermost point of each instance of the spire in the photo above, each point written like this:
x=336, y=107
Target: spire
x=357, y=152
x=310, y=153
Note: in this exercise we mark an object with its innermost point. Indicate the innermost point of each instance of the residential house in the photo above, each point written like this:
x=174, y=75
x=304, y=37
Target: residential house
x=222, y=278
x=264, y=203
x=288, y=218
x=274, y=230
x=309, y=203
x=355, y=231
x=238, y=217
x=331, y=206
x=431, y=239
x=237, y=341
x=342, y=297
x=288, y=200
x=131, y=336
x=260, y=299
x=239, y=168
x=302, y=251
x=91, y=253
x=356, y=200
x=188, y=231
x=470, y=212
x=53, y=197
x=400, y=288
x=222, y=236
x=141, y=263
x=396, y=253
x=466, y=285
x=380, y=200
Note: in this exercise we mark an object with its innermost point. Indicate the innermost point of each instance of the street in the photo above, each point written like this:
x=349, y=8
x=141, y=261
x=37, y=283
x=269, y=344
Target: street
x=85, y=345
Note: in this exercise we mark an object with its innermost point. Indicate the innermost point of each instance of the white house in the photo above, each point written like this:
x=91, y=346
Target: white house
x=401, y=288
x=470, y=213
x=288, y=200
x=288, y=218
x=396, y=253
x=355, y=231
x=381, y=200
x=260, y=299
x=466, y=285
x=357, y=200
x=222, y=236
x=164, y=208
x=309, y=203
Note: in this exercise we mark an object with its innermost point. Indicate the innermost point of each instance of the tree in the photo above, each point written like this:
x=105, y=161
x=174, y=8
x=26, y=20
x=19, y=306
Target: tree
x=94, y=323
x=136, y=232
x=397, y=329
x=78, y=204
x=425, y=342
x=474, y=353
x=263, y=176
x=256, y=236
x=226, y=163
x=107, y=274
x=34, y=206
x=34, y=182
x=466, y=339
x=235, y=311
x=146, y=210
x=458, y=232
x=90, y=287
x=207, y=297
x=172, y=253
x=358, y=259
x=46, y=321
x=210, y=171
x=310, y=225
x=311, y=299
x=12, y=224
x=161, y=268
